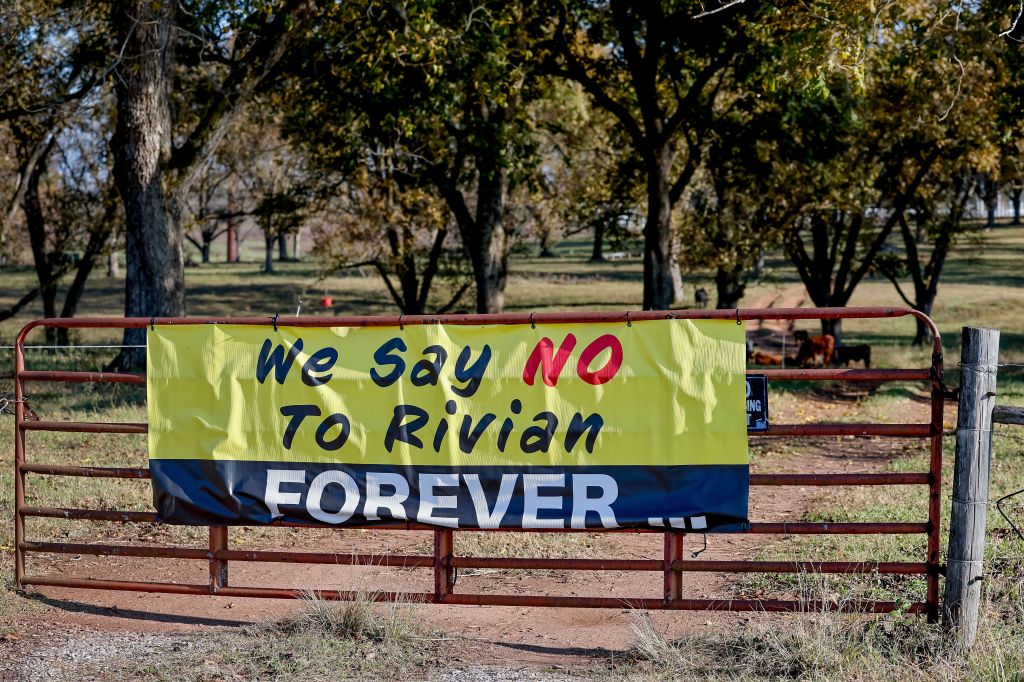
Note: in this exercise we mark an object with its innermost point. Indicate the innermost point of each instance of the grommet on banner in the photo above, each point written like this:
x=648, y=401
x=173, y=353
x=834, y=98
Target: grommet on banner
x=152, y=323
x=532, y=324
x=738, y=320
x=400, y=327
x=274, y=320
x=629, y=322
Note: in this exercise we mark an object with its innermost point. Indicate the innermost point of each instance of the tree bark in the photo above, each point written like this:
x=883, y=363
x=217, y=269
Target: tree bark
x=155, y=275
x=1015, y=199
x=658, y=284
x=282, y=247
x=45, y=261
x=730, y=285
x=268, y=253
x=597, y=253
x=490, y=260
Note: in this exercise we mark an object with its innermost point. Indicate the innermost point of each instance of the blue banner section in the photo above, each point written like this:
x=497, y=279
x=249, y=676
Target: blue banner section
x=695, y=498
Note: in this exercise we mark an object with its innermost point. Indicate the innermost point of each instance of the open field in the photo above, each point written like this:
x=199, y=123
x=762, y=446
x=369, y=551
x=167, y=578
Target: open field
x=124, y=635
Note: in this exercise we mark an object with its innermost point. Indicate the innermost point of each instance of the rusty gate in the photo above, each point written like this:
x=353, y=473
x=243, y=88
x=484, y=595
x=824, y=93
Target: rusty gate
x=445, y=562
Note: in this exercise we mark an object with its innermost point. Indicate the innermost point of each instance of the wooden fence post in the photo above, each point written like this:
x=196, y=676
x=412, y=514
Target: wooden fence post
x=979, y=356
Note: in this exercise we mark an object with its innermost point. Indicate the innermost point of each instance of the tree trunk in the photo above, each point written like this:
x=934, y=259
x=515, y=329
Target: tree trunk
x=597, y=254
x=98, y=239
x=758, y=272
x=658, y=260
x=1015, y=198
x=491, y=260
x=232, y=242
x=296, y=241
x=113, y=264
x=282, y=247
x=205, y=251
x=155, y=268
x=834, y=328
x=46, y=263
x=730, y=286
x=268, y=253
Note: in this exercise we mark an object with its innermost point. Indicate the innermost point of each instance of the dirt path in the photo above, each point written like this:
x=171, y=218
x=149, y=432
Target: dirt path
x=488, y=635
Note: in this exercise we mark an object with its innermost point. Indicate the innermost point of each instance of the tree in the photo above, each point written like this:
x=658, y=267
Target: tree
x=55, y=111
x=402, y=232
x=438, y=90
x=228, y=53
x=659, y=72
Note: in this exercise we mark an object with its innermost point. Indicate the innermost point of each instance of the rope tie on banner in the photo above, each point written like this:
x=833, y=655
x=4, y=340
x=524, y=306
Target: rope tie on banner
x=629, y=323
x=738, y=320
x=401, y=327
x=298, y=308
x=274, y=320
x=533, y=325
x=694, y=555
x=152, y=324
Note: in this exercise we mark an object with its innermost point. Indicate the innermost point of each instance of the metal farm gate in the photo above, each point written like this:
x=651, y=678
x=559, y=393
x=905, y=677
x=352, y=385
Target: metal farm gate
x=445, y=562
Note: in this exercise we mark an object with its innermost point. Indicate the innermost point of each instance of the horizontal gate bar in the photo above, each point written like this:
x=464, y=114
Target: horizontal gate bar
x=85, y=427
x=88, y=472
x=892, y=430
x=535, y=318
x=773, y=605
x=784, y=528
x=840, y=479
x=885, y=567
x=755, y=479
x=514, y=563
x=90, y=514
x=835, y=374
x=866, y=528
x=158, y=552
x=795, y=374
x=81, y=377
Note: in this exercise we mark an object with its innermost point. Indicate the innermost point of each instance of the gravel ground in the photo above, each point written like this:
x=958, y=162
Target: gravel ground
x=75, y=656
x=104, y=656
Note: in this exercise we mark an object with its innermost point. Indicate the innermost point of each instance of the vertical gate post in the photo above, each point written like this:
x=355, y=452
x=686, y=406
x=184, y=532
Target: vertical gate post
x=979, y=357
x=19, y=462
x=673, y=553
x=218, y=567
x=444, y=545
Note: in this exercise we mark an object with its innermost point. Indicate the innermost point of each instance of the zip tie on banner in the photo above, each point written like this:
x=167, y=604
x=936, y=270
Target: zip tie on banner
x=629, y=323
x=152, y=324
x=298, y=308
x=274, y=320
x=533, y=325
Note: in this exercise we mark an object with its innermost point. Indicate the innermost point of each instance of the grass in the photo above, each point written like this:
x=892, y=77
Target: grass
x=983, y=285
x=324, y=640
x=823, y=646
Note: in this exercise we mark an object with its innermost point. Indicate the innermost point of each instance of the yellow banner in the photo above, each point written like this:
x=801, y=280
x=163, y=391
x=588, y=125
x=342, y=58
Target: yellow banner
x=656, y=393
